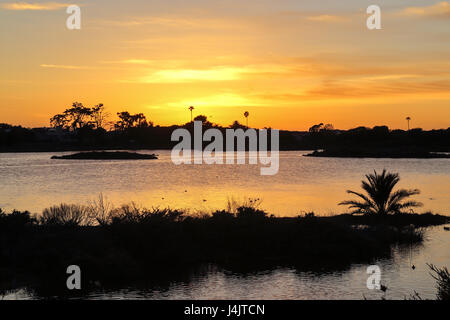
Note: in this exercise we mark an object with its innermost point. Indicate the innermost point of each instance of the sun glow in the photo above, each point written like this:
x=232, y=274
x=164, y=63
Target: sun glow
x=219, y=100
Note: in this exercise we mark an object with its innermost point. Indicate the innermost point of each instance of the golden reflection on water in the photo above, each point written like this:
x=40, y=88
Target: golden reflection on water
x=31, y=181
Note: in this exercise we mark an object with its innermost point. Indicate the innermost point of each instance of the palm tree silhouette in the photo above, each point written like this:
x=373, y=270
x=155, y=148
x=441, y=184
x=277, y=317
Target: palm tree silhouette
x=246, y=114
x=408, y=119
x=190, y=109
x=380, y=199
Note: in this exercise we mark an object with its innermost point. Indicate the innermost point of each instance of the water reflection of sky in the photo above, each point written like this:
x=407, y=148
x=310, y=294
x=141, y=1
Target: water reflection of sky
x=31, y=181
x=284, y=283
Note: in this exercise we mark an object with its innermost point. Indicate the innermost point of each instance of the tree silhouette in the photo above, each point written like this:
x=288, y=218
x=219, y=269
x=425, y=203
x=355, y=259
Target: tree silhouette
x=140, y=121
x=99, y=116
x=204, y=120
x=201, y=118
x=59, y=121
x=408, y=119
x=380, y=198
x=246, y=114
x=76, y=117
x=236, y=125
x=125, y=121
x=128, y=121
x=316, y=127
x=191, y=108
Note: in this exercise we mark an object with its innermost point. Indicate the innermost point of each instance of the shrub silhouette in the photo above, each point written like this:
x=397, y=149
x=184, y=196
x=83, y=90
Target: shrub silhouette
x=250, y=213
x=222, y=214
x=442, y=276
x=101, y=211
x=15, y=219
x=66, y=215
x=129, y=214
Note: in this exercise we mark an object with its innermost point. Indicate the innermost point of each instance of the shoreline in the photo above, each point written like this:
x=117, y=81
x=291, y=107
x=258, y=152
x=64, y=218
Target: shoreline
x=375, y=155
x=312, y=154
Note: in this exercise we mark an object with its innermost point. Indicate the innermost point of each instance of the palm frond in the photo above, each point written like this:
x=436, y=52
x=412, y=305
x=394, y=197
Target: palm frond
x=410, y=204
x=401, y=194
x=361, y=207
x=380, y=197
x=362, y=196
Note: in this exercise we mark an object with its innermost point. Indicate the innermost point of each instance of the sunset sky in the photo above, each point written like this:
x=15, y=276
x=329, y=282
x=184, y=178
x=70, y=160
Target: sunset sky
x=290, y=63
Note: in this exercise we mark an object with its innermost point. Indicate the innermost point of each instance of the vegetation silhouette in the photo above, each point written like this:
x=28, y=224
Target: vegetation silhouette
x=103, y=155
x=381, y=198
x=116, y=246
x=385, y=152
x=79, y=116
x=442, y=277
x=88, y=128
x=128, y=121
x=191, y=108
x=246, y=114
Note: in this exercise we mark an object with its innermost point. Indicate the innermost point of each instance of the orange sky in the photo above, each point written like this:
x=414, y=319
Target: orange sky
x=291, y=64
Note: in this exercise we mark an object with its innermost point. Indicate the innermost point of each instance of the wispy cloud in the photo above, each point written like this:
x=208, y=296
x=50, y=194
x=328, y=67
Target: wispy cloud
x=360, y=90
x=441, y=9
x=174, y=22
x=129, y=61
x=21, y=6
x=55, y=66
x=188, y=75
x=392, y=77
x=213, y=73
x=327, y=18
x=353, y=90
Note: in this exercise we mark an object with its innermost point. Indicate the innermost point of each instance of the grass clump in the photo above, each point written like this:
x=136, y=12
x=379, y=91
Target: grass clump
x=442, y=277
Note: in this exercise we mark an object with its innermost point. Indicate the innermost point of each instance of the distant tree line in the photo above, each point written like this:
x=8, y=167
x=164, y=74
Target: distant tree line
x=80, y=127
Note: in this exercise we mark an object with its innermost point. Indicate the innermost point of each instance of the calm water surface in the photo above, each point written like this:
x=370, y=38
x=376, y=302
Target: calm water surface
x=31, y=181
x=285, y=283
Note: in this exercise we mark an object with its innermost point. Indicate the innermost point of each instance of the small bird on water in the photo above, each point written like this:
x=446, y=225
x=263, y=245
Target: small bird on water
x=413, y=267
x=383, y=288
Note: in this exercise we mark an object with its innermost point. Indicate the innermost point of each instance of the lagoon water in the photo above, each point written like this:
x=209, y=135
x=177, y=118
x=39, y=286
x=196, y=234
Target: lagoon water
x=285, y=283
x=32, y=181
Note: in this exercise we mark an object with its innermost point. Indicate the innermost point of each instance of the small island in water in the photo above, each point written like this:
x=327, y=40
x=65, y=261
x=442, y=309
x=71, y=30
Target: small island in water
x=376, y=152
x=106, y=155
